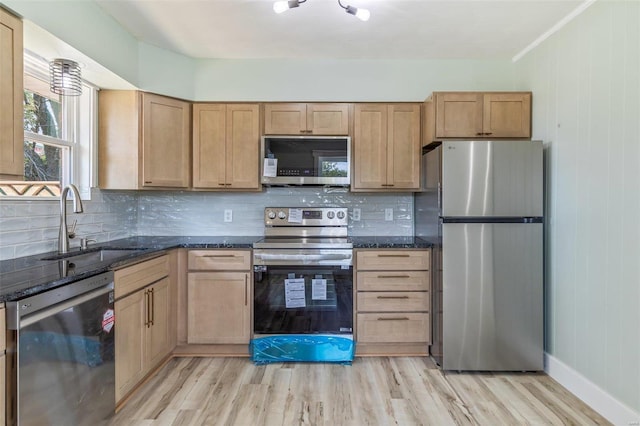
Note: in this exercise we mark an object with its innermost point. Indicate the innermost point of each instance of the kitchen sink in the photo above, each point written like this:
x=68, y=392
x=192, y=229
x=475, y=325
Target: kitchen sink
x=95, y=254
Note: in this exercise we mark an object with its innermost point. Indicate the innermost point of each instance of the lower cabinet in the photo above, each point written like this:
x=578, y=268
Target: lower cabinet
x=393, y=302
x=143, y=326
x=3, y=366
x=219, y=298
x=219, y=308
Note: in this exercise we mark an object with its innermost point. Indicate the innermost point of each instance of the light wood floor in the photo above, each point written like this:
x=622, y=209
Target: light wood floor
x=372, y=391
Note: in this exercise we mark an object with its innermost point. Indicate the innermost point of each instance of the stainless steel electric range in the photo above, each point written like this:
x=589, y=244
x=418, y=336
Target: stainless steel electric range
x=303, y=273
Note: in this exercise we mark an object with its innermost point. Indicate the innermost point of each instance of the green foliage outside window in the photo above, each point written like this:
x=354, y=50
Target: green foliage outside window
x=42, y=162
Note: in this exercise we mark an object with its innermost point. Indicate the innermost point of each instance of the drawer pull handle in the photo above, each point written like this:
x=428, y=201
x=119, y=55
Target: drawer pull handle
x=218, y=255
x=394, y=319
x=393, y=297
x=394, y=255
x=394, y=276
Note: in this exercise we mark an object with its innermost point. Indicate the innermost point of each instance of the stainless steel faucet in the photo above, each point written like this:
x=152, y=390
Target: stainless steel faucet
x=63, y=235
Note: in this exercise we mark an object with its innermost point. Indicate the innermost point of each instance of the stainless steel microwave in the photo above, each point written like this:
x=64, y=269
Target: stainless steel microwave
x=305, y=160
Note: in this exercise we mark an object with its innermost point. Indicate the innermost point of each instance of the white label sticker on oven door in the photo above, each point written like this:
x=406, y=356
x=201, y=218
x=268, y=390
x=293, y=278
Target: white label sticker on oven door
x=295, y=215
x=294, y=293
x=270, y=167
x=318, y=289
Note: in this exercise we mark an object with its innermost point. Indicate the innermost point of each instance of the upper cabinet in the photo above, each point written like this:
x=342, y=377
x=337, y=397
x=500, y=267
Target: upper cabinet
x=144, y=141
x=226, y=146
x=477, y=115
x=306, y=119
x=11, y=95
x=386, y=147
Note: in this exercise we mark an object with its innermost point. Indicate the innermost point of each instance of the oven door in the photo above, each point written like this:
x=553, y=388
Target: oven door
x=303, y=292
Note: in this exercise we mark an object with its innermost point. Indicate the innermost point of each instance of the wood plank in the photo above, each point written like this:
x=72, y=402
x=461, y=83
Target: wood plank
x=374, y=391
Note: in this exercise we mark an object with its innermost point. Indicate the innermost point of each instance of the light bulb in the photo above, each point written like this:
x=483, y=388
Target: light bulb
x=280, y=6
x=363, y=14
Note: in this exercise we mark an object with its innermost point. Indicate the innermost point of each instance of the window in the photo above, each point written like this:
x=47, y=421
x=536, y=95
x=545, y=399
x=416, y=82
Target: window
x=59, y=137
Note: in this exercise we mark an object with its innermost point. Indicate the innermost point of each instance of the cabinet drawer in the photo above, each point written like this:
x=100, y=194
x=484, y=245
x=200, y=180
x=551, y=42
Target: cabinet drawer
x=128, y=280
x=219, y=260
x=393, y=281
x=387, y=301
x=393, y=260
x=393, y=328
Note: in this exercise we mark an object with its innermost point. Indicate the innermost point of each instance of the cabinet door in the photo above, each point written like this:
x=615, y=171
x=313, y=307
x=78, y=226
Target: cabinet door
x=218, y=307
x=459, y=115
x=285, y=119
x=370, y=146
x=243, y=146
x=403, y=147
x=11, y=94
x=158, y=342
x=165, y=141
x=209, y=145
x=328, y=119
x=129, y=340
x=507, y=115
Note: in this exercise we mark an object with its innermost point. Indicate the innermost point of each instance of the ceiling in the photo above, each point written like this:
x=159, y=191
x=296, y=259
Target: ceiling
x=320, y=29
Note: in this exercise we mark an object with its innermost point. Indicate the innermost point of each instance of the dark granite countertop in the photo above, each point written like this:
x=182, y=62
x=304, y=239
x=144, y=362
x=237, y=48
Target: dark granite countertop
x=390, y=242
x=26, y=276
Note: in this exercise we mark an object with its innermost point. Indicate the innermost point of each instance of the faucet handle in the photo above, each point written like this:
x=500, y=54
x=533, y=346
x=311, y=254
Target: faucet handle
x=84, y=243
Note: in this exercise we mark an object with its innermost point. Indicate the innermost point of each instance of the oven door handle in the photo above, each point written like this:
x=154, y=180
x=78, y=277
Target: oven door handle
x=303, y=258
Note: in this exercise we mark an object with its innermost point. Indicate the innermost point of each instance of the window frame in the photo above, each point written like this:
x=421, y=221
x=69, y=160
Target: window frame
x=79, y=160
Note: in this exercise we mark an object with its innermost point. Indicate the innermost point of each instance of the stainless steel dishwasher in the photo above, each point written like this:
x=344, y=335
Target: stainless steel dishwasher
x=65, y=354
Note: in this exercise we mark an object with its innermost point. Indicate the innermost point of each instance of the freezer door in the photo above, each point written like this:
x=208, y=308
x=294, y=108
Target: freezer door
x=492, y=178
x=492, y=296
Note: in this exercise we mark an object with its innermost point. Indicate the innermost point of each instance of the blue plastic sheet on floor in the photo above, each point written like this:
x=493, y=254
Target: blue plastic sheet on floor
x=302, y=348
x=55, y=346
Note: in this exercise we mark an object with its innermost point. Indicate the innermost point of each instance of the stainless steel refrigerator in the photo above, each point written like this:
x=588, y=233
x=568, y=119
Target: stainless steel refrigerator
x=483, y=206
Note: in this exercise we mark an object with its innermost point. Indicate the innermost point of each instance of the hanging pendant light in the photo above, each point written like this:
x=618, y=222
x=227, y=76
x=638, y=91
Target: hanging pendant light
x=65, y=77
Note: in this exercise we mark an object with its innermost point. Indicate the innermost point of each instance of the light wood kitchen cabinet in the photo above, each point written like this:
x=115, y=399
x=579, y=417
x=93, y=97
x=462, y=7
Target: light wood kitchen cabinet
x=323, y=119
x=478, y=115
x=144, y=141
x=143, y=326
x=393, y=299
x=11, y=96
x=226, y=146
x=219, y=297
x=3, y=365
x=386, y=145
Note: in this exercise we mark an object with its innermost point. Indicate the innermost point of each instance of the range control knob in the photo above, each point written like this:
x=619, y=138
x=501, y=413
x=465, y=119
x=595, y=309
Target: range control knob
x=271, y=215
x=340, y=215
x=330, y=214
x=282, y=215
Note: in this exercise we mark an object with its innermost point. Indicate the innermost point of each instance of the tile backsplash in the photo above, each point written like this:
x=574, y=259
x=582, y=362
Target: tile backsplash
x=31, y=227
x=193, y=213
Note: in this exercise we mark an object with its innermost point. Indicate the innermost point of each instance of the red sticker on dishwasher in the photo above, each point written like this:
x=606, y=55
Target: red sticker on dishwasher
x=108, y=320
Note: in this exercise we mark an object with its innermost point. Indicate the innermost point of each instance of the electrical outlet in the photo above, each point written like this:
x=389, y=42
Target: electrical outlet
x=388, y=214
x=356, y=214
x=228, y=215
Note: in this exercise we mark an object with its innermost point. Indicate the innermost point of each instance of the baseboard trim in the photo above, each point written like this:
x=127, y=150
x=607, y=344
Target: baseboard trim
x=594, y=396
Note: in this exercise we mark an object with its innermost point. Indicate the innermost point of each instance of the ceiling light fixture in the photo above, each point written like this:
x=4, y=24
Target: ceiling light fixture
x=281, y=6
x=362, y=14
x=65, y=77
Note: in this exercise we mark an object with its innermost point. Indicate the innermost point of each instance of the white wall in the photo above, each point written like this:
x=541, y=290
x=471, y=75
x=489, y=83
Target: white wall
x=586, y=107
x=343, y=80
